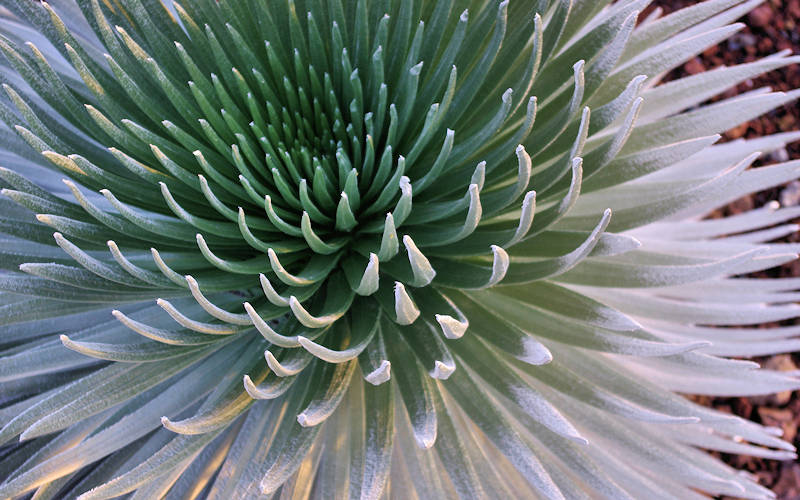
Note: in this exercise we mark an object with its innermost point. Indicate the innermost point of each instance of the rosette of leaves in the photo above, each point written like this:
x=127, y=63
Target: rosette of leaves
x=385, y=248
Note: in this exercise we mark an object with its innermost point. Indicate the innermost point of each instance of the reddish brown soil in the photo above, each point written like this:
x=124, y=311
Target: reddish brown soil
x=773, y=26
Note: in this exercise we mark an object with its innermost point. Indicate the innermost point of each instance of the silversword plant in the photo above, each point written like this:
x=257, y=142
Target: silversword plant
x=381, y=249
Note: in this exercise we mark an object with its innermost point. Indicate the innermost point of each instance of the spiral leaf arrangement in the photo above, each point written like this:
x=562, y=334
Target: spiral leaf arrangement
x=365, y=249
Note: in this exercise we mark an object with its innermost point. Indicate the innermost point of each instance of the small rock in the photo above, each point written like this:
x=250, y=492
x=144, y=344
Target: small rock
x=764, y=477
x=737, y=132
x=781, y=419
x=760, y=16
x=793, y=8
x=779, y=155
x=788, y=485
x=694, y=66
x=786, y=122
x=780, y=363
x=790, y=195
x=741, y=205
x=743, y=407
x=741, y=40
x=776, y=417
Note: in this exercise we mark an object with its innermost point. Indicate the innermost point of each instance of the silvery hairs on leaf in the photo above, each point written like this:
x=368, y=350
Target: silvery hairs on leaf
x=381, y=249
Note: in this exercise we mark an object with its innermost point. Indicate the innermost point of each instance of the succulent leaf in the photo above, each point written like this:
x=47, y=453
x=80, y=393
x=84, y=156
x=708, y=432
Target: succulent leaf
x=489, y=211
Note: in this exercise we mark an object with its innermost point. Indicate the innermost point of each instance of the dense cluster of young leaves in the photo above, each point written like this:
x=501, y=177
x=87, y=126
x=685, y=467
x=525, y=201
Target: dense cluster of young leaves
x=380, y=248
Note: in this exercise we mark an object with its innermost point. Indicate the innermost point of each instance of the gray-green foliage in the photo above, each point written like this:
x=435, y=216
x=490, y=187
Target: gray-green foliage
x=381, y=248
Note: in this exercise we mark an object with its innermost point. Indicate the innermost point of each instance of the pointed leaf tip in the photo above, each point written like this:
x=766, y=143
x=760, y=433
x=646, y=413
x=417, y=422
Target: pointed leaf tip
x=381, y=374
x=442, y=371
x=406, y=311
x=500, y=263
x=451, y=327
x=420, y=266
